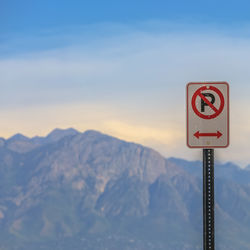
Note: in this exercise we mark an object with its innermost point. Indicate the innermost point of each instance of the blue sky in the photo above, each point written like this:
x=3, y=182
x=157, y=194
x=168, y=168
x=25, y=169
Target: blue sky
x=52, y=23
x=121, y=67
x=31, y=15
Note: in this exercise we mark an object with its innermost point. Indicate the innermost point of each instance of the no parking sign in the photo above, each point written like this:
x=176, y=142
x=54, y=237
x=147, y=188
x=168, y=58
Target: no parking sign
x=208, y=115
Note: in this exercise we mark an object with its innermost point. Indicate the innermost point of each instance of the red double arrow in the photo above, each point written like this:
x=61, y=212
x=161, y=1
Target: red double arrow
x=198, y=134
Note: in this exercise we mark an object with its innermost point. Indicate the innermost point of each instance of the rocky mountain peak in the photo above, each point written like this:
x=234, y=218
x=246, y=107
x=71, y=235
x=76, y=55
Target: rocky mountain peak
x=58, y=134
x=18, y=137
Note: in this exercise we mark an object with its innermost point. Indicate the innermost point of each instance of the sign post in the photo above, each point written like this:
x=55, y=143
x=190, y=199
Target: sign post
x=208, y=128
x=208, y=199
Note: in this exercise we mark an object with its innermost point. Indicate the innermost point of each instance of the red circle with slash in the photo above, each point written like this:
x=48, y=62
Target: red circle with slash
x=199, y=93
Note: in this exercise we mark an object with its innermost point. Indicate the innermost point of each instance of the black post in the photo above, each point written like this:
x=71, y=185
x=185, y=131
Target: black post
x=208, y=199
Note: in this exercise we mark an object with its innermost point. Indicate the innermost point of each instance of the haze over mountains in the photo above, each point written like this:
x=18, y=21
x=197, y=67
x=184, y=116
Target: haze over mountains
x=72, y=190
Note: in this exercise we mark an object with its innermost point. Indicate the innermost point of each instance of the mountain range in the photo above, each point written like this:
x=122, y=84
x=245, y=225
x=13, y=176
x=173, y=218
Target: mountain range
x=72, y=190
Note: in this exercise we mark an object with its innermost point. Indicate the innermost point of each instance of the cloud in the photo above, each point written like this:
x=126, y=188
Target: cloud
x=143, y=134
x=39, y=120
x=130, y=84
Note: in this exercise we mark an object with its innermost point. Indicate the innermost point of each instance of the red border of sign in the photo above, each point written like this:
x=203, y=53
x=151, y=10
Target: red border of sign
x=228, y=114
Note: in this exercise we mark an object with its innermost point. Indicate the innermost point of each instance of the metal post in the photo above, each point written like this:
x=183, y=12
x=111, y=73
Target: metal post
x=208, y=199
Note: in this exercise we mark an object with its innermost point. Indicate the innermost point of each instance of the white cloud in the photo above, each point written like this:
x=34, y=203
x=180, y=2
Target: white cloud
x=140, y=73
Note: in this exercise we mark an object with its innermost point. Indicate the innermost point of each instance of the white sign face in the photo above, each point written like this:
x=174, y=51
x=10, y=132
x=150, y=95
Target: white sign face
x=208, y=115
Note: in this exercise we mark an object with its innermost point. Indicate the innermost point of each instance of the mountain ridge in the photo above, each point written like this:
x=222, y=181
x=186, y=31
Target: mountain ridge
x=89, y=185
